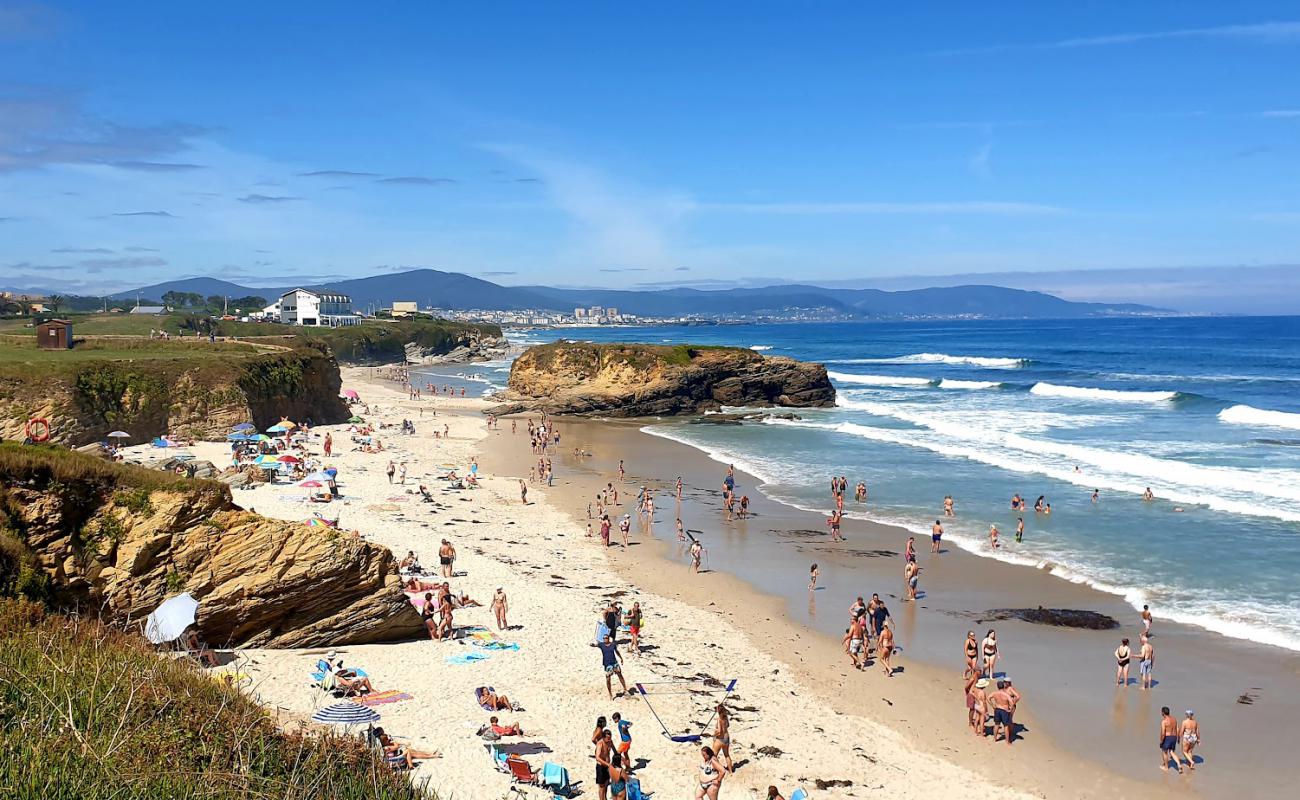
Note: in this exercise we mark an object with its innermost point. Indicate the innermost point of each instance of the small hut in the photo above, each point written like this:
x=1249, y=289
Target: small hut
x=54, y=334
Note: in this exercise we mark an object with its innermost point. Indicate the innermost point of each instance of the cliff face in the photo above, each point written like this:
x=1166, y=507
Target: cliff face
x=635, y=380
x=199, y=397
x=119, y=540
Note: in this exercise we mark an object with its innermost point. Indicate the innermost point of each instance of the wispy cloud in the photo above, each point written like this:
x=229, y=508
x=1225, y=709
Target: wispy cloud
x=1261, y=33
x=138, y=249
x=86, y=250
x=957, y=207
x=494, y=273
x=980, y=162
x=144, y=214
x=416, y=180
x=267, y=198
x=681, y=269
x=1285, y=113
x=336, y=173
x=114, y=264
x=26, y=21
x=40, y=127
x=623, y=269
x=156, y=166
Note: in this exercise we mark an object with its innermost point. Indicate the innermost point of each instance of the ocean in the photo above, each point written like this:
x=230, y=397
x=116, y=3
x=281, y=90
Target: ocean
x=1203, y=411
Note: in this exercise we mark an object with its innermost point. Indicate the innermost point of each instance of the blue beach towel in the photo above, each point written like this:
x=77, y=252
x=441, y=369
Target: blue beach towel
x=468, y=658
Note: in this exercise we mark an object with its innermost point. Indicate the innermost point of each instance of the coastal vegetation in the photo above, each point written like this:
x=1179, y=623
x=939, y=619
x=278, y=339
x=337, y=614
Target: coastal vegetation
x=91, y=712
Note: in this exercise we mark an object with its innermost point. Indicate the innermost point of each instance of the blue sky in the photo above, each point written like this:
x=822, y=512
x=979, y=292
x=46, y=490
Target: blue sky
x=620, y=145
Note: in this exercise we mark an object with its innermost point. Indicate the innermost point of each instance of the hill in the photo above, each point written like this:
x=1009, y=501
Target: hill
x=461, y=292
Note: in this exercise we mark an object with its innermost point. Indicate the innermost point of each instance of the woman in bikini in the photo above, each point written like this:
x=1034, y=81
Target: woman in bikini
x=722, y=735
x=1191, y=736
x=1122, y=657
x=972, y=655
x=617, y=777
x=990, y=647
x=711, y=772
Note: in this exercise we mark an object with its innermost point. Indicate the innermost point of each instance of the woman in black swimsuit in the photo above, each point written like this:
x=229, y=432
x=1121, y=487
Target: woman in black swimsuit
x=1122, y=656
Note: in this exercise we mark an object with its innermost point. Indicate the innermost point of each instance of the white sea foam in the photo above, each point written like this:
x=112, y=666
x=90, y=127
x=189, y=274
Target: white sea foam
x=1249, y=415
x=667, y=432
x=878, y=380
x=949, y=383
x=1241, y=619
x=1260, y=493
x=760, y=347
x=941, y=358
x=1108, y=395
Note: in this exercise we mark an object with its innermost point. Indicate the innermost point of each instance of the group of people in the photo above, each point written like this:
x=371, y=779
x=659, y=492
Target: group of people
x=870, y=621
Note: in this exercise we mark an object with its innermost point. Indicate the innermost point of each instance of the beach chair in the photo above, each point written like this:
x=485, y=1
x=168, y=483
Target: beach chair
x=797, y=794
x=498, y=757
x=634, y=790
x=556, y=778
x=521, y=772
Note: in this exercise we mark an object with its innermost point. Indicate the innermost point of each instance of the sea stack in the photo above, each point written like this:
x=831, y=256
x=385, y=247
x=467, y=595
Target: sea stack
x=642, y=380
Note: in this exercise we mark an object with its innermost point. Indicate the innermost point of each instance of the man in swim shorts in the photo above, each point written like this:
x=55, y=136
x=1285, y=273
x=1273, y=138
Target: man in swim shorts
x=1146, y=662
x=936, y=536
x=1168, y=740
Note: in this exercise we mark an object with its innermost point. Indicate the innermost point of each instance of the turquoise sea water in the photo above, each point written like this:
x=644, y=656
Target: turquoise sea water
x=1205, y=412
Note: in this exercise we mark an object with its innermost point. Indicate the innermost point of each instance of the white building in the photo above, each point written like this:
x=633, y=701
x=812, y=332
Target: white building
x=317, y=309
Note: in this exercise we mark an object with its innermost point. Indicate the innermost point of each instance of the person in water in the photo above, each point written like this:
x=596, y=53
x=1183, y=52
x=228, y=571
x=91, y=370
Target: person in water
x=1020, y=529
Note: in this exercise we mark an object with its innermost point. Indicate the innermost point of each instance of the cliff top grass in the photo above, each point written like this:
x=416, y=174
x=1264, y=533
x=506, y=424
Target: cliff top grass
x=634, y=353
x=42, y=465
x=19, y=350
x=93, y=713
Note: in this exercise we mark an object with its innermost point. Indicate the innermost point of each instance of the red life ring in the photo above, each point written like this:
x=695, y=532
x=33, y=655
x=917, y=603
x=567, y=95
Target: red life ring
x=38, y=429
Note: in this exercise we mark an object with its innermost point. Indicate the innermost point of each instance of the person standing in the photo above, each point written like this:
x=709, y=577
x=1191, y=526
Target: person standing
x=912, y=575
x=990, y=648
x=1020, y=529
x=625, y=526
x=1001, y=702
x=624, y=728
x=604, y=529
x=885, y=649
x=401, y=474
x=1168, y=740
x=1146, y=662
x=328, y=445
x=722, y=735
x=392, y=470
x=853, y=642
x=972, y=655
x=447, y=559
x=611, y=660
x=604, y=749
x=936, y=536
x=697, y=550
x=1146, y=620
x=710, y=777
x=1122, y=657
x=501, y=607
x=679, y=488
x=523, y=492
x=812, y=578
x=1190, y=732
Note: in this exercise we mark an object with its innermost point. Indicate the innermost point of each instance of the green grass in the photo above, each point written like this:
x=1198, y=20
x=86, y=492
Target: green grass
x=18, y=350
x=92, y=713
x=100, y=324
x=640, y=356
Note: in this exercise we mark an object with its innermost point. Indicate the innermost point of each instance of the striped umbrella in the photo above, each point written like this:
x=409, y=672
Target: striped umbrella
x=345, y=713
x=267, y=461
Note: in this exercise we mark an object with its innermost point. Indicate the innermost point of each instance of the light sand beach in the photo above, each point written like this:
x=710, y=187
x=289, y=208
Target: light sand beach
x=794, y=723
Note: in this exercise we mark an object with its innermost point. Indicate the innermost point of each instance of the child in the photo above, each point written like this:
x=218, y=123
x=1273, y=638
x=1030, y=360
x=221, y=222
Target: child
x=624, y=738
x=812, y=578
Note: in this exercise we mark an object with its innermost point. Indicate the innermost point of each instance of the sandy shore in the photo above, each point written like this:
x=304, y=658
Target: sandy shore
x=557, y=581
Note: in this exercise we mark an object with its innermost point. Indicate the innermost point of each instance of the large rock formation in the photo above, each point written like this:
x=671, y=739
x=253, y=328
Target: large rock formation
x=117, y=540
x=637, y=380
x=200, y=397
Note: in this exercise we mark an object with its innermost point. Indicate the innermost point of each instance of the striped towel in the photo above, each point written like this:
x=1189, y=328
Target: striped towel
x=382, y=698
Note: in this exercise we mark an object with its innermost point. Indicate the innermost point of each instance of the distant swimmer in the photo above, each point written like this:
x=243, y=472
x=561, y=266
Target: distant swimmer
x=1017, y=502
x=1047, y=510
x=1148, y=494
x=1020, y=529
x=1096, y=496
x=947, y=506
x=1038, y=504
x=936, y=536
x=993, y=536
x=860, y=494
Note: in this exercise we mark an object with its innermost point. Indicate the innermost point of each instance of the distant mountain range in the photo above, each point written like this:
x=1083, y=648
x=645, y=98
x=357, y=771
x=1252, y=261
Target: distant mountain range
x=453, y=290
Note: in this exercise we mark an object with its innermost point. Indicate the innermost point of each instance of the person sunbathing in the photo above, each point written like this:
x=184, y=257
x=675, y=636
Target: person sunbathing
x=349, y=681
x=400, y=753
x=417, y=585
x=410, y=561
x=464, y=601
x=513, y=729
x=493, y=701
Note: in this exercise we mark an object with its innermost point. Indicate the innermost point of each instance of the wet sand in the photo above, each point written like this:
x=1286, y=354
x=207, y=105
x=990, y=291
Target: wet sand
x=1082, y=736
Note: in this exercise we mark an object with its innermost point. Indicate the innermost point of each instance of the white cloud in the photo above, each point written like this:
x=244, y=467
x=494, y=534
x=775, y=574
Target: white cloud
x=1259, y=33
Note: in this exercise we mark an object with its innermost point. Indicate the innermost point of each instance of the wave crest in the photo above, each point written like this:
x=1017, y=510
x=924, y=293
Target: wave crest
x=1249, y=415
x=942, y=358
x=1089, y=393
x=878, y=380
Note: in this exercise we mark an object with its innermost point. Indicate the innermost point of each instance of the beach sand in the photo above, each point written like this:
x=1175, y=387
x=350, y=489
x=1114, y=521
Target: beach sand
x=903, y=736
x=557, y=581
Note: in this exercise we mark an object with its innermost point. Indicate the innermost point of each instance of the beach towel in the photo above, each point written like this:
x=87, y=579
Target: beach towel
x=468, y=658
x=382, y=698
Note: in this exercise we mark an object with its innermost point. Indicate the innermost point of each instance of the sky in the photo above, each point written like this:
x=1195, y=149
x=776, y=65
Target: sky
x=642, y=145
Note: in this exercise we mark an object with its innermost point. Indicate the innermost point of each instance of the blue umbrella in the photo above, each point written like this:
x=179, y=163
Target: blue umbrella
x=236, y=437
x=345, y=713
x=245, y=426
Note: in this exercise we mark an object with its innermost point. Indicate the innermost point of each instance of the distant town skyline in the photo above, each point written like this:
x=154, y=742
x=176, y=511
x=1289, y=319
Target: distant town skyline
x=1103, y=153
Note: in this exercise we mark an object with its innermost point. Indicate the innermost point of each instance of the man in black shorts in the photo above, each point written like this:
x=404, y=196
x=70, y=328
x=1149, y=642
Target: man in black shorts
x=604, y=747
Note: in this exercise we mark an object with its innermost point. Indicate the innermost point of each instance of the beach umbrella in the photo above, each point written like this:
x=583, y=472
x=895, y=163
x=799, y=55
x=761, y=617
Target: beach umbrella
x=276, y=429
x=351, y=394
x=354, y=419
x=120, y=435
x=345, y=713
x=245, y=426
x=288, y=459
x=317, y=476
x=261, y=437
x=311, y=484
x=236, y=437
x=267, y=461
x=169, y=620
x=318, y=522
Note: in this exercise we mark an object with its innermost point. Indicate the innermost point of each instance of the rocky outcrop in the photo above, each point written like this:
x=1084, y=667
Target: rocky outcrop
x=199, y=397
x=485, y=348
x=636, y=380
x=118, y=540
